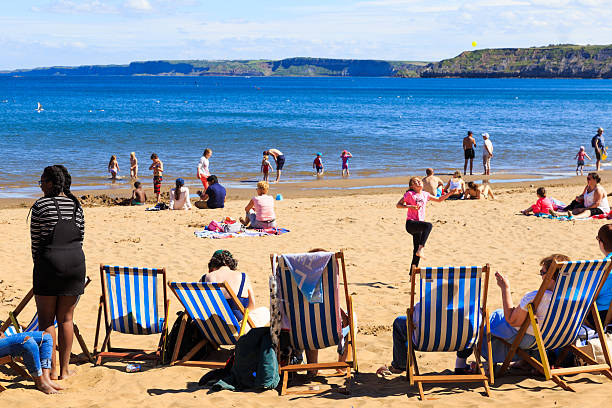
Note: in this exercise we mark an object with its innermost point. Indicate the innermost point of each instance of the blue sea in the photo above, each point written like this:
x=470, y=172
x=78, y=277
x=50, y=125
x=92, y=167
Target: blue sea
x=392, y=126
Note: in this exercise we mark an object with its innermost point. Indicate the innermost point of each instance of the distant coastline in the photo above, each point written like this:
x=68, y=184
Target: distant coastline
x=553, y=61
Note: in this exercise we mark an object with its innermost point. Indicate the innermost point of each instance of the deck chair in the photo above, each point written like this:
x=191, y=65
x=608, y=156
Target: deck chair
x=576, y=289
x=12, y=325
x=132, y=304
x=452, y=317
x=315, y=326
x=206, y=304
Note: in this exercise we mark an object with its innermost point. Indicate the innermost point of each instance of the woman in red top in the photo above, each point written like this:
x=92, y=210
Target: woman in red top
x=415, y=201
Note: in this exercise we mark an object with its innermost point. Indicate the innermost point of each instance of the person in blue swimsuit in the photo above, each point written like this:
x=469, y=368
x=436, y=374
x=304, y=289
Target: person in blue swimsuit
x=222, y=267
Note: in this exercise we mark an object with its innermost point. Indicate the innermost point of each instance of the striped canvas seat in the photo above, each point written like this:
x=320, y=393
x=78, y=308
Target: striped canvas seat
x=33, y=326
x=312, y=325
x=134, y=302
x=451, y=317
x=205, y=303
x=576, y=288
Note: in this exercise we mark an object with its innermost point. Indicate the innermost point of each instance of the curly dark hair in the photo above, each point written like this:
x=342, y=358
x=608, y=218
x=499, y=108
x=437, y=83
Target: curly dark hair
x=221, y=258
x=56, y=176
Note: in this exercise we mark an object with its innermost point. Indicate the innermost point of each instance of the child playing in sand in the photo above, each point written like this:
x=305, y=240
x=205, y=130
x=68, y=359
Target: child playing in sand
x=317, y=164
x=133, y=166
x=580, y=156
x=544, y=205
x=139, y=197
x=345, y=156
x=265, y=167
x=158, y=169
x=113, y=167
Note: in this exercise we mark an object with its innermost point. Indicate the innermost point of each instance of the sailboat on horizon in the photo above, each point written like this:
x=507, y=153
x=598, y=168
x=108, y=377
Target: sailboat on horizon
x=39, y=108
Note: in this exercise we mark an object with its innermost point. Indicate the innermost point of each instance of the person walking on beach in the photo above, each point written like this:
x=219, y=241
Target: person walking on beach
x=599, y=145
x=415, y=201
x=133, y=166
x=345, y=156
x=580, y=156
x=158, y=169
x=113, y=167
x=487, y=153
x=203, y=170
x=279, y=160
x=432, y=184
x=317, y=164
x=468, y=151
x=57, y=228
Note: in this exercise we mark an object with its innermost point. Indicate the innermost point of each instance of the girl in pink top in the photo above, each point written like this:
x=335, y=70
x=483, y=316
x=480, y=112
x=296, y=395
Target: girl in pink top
x=544, y=205
x=260, y=210
x=580, y=156
x=415, y=201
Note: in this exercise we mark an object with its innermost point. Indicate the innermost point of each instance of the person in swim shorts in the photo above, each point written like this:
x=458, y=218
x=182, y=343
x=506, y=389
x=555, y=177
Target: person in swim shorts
x=158, y=169
x=279, y=160
x=468, y=151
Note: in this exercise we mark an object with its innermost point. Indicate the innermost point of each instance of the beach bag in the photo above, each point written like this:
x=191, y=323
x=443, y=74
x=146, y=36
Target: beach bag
x=214, y=226
x=590, y=344
x=235, y=227
x=191, y=336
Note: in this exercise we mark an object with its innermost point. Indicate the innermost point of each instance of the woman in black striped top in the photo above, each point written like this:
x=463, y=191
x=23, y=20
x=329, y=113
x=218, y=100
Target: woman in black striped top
x=57, y=229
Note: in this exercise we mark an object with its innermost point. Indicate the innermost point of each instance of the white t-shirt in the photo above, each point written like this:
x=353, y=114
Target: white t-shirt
x=489, y=144
x=203, y=166
x=183, y=202
x=542, y=307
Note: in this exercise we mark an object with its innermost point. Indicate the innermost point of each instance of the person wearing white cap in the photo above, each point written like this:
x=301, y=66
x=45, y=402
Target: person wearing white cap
x=487, y=153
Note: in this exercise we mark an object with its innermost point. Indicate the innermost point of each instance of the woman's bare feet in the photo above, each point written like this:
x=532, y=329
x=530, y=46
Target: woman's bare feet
x=43, y=386
x=420, y=252
x=68, y=373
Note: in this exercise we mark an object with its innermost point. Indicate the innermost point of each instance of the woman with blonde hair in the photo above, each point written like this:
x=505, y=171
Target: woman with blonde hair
x=415, y=201
x=456, y=186
x=260, y=210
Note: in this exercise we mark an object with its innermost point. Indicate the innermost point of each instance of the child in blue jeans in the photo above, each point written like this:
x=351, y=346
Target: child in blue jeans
x=35, y=348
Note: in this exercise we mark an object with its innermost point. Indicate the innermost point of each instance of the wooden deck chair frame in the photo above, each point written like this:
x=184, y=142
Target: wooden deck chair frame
x=544, y=367
x=351, y=360
x=13, y=321
x=412, y=368
x=121, y=352
x=186, y=360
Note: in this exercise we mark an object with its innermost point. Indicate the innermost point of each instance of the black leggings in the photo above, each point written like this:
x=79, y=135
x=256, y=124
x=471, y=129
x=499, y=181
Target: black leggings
x=574, y=204
x=420, y=232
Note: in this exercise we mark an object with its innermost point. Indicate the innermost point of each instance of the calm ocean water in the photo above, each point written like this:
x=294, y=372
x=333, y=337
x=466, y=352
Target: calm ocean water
x=392, y=126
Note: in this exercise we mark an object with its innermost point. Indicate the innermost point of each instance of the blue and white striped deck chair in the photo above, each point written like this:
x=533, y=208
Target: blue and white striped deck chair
x=207, y=305
x=134, y=302
x=314, y=326
x=452, y=316
x=577, y=285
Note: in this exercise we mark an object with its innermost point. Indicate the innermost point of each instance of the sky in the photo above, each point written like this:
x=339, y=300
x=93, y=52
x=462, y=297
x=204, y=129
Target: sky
x=85, y=32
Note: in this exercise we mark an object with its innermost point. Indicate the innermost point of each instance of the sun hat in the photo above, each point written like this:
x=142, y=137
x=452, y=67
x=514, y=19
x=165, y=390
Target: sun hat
x=180, y=181
x=485, y=135
x=319, y=154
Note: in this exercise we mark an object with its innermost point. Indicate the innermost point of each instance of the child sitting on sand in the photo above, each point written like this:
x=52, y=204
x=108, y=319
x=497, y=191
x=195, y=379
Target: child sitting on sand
x=544, y=205
x=113, y=167
x=139, y=197
x=265, y=167
x=317, y=164
x=580, y=156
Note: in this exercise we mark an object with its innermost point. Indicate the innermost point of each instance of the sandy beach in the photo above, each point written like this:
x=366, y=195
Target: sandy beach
x=335, y=215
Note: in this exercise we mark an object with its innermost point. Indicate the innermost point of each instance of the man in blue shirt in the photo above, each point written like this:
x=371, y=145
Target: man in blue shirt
x=214, y=196
x=599, y=145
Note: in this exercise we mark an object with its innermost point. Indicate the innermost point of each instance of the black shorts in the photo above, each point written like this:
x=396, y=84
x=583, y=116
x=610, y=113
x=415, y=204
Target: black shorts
x=468, y=153
x=596, y=211
x=280, y=161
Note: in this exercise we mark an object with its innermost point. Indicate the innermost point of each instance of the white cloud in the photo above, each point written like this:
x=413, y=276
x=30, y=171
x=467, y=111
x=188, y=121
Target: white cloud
x=138, y=5
x=76, y=7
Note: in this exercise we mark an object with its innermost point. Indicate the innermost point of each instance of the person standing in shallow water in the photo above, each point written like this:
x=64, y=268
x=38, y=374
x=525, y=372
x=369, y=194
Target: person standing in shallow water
x=469, y=143
x=158, y=170
x=57, y=229
x=415, y=201
x=279, y=160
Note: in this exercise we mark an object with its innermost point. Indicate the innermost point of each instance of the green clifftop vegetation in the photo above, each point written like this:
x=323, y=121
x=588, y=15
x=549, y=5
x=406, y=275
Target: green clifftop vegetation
x=553, y=61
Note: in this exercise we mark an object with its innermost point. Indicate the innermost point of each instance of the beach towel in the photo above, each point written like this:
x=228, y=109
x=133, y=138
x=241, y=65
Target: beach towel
x=559, y=217
x=245, y=233
x=306, y=270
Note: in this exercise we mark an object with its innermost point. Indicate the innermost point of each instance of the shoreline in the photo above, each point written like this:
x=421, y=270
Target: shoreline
x=322, y=187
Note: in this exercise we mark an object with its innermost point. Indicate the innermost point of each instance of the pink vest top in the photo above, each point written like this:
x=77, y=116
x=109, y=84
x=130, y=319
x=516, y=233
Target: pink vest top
x=264, y=207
